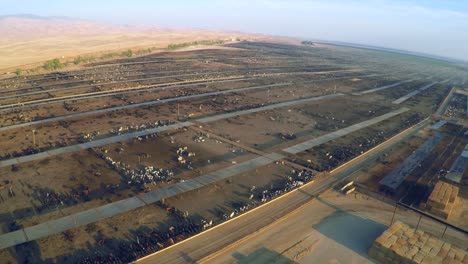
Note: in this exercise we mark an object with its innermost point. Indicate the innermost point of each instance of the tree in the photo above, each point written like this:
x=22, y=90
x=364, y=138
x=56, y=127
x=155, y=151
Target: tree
x=19, y=72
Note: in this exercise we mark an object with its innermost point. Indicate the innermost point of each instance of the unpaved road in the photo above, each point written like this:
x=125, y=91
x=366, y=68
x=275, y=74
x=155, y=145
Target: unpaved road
x=320, y=232
x=219, y=240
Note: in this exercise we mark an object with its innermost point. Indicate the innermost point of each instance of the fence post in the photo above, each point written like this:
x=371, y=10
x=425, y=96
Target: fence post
x=419, y=221
x=394, y=211
x=444, y=231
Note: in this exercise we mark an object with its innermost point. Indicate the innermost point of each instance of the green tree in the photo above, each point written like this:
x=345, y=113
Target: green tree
x=19, y=72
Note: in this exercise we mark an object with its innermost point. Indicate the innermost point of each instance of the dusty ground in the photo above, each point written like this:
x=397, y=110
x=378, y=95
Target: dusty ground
x=334, y=153
x=61, y=185
x=161, y=152
x=304, y=122
x=331, y=229
x=84, y=180
x=54, y=187
x=212, y=202
x=90, y=237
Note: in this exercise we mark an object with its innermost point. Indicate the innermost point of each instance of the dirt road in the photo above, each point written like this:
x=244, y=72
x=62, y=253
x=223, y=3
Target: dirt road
x=259, y=220
x=320, y=232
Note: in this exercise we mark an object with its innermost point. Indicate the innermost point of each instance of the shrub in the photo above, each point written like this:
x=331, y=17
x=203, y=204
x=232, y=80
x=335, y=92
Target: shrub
x=52, y=65
x=194, y=43
x=78, y=60
x=34, y=70
x=129, y=53
x=109, y=55
x=307, y=42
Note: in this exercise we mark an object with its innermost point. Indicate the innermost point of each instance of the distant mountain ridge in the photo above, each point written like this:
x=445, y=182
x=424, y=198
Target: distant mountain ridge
x=378, y=48
x=28, y=40
x=26, y=26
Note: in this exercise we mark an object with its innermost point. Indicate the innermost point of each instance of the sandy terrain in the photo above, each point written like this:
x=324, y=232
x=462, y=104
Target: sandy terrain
x=32, y=40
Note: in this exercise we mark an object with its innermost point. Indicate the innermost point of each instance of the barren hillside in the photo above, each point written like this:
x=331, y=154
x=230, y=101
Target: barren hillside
x=33, y=39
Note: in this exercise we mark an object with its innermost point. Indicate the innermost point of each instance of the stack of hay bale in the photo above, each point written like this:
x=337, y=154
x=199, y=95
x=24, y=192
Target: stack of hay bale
x=403, y=244
x=442, y=199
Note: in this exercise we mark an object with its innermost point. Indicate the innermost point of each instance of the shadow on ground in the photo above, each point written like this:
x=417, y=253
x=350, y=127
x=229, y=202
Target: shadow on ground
x=349, y=230
x=262, y=256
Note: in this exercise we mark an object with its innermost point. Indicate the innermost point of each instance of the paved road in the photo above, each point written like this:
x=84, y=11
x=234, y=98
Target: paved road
x=146, y=88
x=438, y=125
x=96, y=214
x=222, y=236
x=216, y=240
x=114, y=139
x=77, y=72
x=459, y=166
x=91, y=144
x=264, y=108
x=154, y=102
x=135, y=89
x=183, y=60
x=413, y=93
x=344, y=77
x=342, y=132
x=114, y=71
x=65, y=75
x=383, y=87
x=441, y=109
x=148, y=103
x=317, y=232
x=92, y=82
x=182, y=69
x=93, y=215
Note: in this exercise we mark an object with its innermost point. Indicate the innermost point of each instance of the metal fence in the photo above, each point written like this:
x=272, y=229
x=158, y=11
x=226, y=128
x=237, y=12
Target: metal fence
x=430, y=224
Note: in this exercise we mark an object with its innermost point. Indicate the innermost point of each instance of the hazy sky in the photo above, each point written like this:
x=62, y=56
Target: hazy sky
x=432, y=26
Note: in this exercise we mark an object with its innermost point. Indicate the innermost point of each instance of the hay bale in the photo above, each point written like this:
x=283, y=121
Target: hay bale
x=418, y=258
x=442, y=252
x=402, y=244
x=442, y=199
